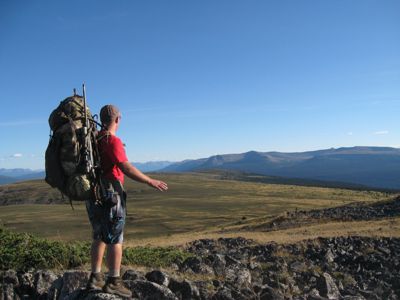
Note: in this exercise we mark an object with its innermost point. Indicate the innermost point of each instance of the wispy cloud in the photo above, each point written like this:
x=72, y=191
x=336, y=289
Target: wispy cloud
x=350, y=133
x=17, y=155
x=381, y=132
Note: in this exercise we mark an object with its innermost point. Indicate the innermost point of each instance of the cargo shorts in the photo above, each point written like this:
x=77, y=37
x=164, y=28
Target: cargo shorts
x=108, y=218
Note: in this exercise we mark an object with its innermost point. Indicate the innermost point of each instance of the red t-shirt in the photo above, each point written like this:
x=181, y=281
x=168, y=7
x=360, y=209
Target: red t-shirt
x=112, y=152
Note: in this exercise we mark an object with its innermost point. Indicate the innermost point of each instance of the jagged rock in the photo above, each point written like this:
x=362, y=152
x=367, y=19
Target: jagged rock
x=9, y=284
x=158, y=277
x=314, y=295
x=8, y=292
x=10, y=277
x=43, y=281
x=231, y=261
x=150, y=290
x=195, y=265
x=253, y=264
x=268, y=293
x=257, y=288
x=238, y=275
x=223, y=293
x=73, y=284
x=132, y=275
x=237, y=294
x=184, y=290
x=206, y=247
x=55, y=289
x=77, y=294
x=26, y=286
x=247, y=294
x=327, y=287
x=329, y=256
x=100, y=296
x=348, y=297
x=370, y=295
x=218, y=264
x=216, y=283
x=298, y=266
x=205, y=289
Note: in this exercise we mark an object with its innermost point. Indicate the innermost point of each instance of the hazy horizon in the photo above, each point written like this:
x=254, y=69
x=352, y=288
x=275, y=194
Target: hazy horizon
x=205, y=157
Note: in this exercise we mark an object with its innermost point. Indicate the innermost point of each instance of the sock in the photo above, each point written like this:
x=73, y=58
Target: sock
x=113, y=273
x=96, y=270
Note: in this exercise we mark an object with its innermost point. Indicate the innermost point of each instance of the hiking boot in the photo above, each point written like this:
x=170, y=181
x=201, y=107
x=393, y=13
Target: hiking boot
x=96, y=282
x=115, y=285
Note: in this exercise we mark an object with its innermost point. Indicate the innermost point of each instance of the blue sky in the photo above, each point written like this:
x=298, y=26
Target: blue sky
x=198, y=78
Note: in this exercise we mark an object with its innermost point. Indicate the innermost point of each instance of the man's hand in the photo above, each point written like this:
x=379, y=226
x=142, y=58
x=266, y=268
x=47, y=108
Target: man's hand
x=157, y=184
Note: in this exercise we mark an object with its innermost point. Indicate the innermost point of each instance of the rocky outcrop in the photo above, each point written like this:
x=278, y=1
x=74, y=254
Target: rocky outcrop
x=356, y=211
x=325, y=268
x=335, y=268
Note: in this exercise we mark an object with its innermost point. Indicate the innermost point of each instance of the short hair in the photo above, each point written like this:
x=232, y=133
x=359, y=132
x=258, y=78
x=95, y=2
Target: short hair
x=108, y=113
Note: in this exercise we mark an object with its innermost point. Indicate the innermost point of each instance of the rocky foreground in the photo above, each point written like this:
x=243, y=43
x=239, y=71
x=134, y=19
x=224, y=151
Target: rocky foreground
x=334, y=268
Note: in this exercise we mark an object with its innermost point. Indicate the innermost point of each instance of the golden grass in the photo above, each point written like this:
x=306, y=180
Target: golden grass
x=196, y=204
x=378, y=228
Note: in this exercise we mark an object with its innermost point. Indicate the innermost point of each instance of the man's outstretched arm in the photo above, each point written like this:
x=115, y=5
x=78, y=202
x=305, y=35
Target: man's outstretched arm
x=132, y=172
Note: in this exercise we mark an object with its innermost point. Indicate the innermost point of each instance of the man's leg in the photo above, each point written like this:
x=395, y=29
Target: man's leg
x=96, y=279
x=113, y=258
x=114, y=284
x=97, y=253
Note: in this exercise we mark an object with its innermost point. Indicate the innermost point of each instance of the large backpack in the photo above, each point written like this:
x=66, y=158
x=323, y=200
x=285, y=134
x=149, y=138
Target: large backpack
x=72, y=159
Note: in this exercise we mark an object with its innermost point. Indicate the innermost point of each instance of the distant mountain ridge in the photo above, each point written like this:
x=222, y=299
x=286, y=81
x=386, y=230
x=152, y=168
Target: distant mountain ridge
x=151, y=166
x=370, y=166
x=19, y=174
x=377, y=167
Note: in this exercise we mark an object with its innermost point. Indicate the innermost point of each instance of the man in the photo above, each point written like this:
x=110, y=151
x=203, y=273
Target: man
x=108, y=219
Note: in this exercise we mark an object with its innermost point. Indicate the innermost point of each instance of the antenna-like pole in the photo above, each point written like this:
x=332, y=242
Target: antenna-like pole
x=84, y=104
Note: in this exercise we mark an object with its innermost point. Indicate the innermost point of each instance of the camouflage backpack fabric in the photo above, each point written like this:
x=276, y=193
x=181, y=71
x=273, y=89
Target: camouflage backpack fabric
x=72, y=156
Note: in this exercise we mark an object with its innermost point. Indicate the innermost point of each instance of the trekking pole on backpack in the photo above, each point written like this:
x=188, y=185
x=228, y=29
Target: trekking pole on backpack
x=88, y=151
x=89, y=162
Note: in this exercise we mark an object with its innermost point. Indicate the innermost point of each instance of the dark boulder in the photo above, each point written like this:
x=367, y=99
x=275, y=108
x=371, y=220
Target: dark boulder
x=132, y=275
x=268, y=293
x=158, y=277
x=73, y=284
x=151, y=291
x=327, y=287
x=47, y=284
x=184, y=290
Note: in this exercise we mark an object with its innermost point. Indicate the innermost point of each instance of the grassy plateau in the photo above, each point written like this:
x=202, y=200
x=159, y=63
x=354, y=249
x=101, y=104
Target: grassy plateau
x=196, y=205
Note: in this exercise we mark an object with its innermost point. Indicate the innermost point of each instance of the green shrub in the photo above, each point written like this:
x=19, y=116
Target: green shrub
x=154, y=256
x=22, y=251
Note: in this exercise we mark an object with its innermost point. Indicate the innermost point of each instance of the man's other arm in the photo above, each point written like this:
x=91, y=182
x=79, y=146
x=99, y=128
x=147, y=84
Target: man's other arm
x=132, y=172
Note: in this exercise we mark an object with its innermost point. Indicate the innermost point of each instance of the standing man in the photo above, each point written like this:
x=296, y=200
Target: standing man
x=108, y=220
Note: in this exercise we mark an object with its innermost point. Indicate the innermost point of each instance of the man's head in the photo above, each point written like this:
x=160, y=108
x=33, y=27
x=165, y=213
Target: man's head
x=109, y=114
